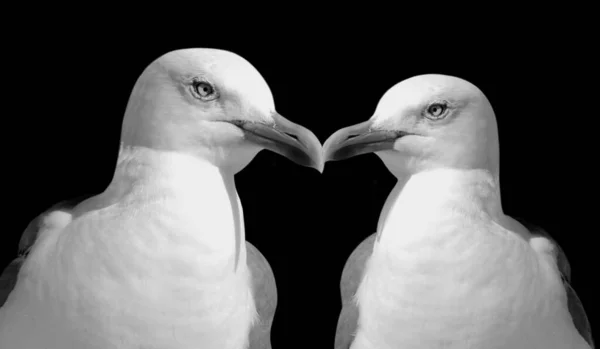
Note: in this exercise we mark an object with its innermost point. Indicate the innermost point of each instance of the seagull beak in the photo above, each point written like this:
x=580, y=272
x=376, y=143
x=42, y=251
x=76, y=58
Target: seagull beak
x=284, y=137
x=358, y=139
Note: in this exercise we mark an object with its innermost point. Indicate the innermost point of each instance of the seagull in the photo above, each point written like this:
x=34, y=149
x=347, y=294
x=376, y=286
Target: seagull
x=159, y=259
x=446, y=267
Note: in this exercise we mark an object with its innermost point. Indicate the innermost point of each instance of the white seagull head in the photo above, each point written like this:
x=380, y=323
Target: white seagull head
x=425, y=122
x=214, y=105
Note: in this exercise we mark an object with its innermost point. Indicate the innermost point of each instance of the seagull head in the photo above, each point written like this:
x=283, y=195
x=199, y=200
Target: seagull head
x=214, y=105
x=422, y=123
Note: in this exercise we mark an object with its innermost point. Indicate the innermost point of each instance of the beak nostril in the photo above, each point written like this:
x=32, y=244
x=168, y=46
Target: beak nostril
x=292, y=135
x=352, y=136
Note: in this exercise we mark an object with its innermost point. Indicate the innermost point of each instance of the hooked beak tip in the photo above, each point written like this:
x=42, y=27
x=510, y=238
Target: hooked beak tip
x=320, y=166
x=358, y=139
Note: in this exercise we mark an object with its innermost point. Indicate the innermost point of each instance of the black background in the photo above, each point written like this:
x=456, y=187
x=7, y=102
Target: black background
x=68, y=96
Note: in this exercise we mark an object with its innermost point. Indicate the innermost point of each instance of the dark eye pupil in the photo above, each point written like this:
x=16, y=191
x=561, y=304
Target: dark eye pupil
x=436, y=110
x=203, y=89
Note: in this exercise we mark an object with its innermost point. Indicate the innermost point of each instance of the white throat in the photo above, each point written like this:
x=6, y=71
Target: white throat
x=425, y=199
x=197, y=199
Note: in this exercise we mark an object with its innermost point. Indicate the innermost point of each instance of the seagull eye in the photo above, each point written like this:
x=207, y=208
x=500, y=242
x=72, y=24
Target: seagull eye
x=203, y=90
x=436, y=111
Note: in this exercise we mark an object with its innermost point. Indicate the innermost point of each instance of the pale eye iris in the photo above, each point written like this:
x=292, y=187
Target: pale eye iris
x=203, y=89
x=436, y=110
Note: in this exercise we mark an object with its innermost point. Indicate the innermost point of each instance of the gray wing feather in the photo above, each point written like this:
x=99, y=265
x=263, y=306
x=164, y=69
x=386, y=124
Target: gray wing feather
x=9, y=276
x=575, y=306
x=265, y=297
x=351, y=278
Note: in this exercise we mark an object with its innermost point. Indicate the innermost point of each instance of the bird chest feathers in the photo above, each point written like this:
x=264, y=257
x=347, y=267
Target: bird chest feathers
x=435, y=280
x=452, y=293
x=163, y=273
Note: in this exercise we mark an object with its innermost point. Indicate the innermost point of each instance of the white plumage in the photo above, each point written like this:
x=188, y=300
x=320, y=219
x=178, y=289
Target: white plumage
x=448, y=269
x=159, y=259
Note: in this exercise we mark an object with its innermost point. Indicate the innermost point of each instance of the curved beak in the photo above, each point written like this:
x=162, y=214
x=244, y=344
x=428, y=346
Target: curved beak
x=358, y=139
x=286, y=138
